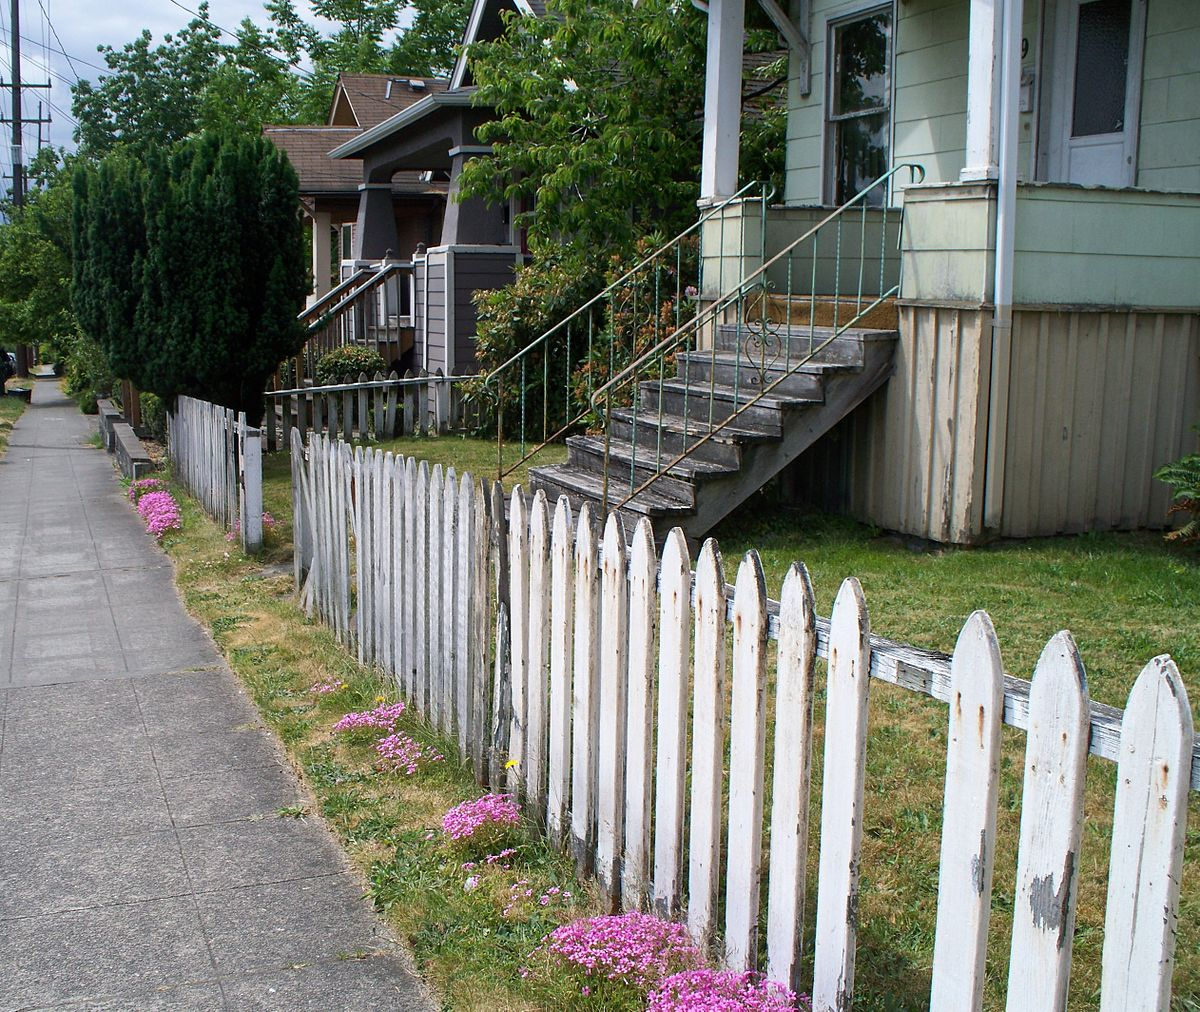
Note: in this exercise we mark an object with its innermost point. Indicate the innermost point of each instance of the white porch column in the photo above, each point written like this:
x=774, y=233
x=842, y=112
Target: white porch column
x=984, y=64
x=322, y=266
x=722, y=99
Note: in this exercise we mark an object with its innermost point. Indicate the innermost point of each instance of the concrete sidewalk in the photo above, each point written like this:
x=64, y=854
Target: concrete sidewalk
x=142, y=861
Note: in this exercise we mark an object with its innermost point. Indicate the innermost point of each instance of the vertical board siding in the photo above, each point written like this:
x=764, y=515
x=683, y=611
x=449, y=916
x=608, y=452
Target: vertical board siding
x=605, y=657
x=969, y=818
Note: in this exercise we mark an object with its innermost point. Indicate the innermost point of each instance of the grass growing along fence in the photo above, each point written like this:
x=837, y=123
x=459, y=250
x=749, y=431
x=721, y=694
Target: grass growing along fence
x=11, y=409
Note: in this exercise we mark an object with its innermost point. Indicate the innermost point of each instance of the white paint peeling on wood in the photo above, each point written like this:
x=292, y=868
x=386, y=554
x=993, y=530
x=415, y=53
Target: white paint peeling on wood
x=433, y=607
x=1039, y=966
x=1149, y=828
x=639, y=748
x=842, y=801
x=614, y=676
x=708, y=745
x=674, y=657
x=447, y=660
x=537, y=655
x=518, y=604
x=562, y=620
x=420, y=591
x=791, y=772
x=969, y=819
x=747, y=737
x=585, y=698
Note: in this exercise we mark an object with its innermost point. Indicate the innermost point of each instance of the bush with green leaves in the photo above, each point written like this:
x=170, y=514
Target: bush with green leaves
x=347, y=363
x=190, y=265
x=88, y=374
x=154, y=415
x=1184, y=478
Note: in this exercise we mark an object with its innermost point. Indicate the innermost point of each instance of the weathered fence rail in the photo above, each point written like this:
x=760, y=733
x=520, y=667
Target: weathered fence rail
x=627, y=697
x=219, y=458
x=371, y=408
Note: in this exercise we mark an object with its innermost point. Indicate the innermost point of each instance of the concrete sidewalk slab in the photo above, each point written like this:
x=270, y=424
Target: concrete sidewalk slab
x=144, y=863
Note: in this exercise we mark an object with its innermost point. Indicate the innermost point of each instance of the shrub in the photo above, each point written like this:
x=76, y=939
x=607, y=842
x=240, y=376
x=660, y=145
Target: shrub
x=160, y=511
x=87, y=371
x=347, y=363
x=484, y=820
x=1184, y=478
x=154, y=415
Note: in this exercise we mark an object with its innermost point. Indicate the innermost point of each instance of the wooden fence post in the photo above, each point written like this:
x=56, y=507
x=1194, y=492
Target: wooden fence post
x=537, y=657
x=585, y=705
x=562, y=614
x=614, y=678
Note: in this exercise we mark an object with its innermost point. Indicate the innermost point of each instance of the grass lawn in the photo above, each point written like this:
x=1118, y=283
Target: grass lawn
x=11, y=409
x=1125, y=598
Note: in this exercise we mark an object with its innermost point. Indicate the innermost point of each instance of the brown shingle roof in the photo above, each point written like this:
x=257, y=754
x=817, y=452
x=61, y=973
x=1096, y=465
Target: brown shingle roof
x=308, y=147
x=375, y=97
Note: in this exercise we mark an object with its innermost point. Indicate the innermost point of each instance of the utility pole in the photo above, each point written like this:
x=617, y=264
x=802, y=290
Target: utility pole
x=18, y=158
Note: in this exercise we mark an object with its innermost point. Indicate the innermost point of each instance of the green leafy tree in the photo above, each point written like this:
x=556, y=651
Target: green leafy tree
x=196, y=292
x=430, y=45
x=597, y=127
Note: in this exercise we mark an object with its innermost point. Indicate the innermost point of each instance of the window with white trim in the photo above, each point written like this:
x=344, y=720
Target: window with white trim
x=858, y=127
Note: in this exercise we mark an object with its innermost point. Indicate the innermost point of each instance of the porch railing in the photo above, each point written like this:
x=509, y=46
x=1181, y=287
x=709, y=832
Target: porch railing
x=761, y=331
x=545, y=390
x=374, y=306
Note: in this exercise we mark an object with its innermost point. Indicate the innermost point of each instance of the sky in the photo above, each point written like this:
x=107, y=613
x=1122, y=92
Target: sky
x=82, y=25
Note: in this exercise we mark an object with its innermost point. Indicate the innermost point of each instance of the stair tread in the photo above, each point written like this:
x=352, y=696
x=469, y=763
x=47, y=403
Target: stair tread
x=590, y=484
x=723, y=391
x=824, y=332
x=733, y=433
x=723, y=357
x=689, y=469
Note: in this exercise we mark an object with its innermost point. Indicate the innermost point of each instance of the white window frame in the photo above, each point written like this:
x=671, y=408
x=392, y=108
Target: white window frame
x=836, y=19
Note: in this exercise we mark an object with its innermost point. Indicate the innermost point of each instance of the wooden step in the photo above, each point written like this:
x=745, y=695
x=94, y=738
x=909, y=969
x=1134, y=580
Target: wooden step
x=847, y=348
x=581, y=486
x=728, y=368
x=712, y=403
x=824, y=309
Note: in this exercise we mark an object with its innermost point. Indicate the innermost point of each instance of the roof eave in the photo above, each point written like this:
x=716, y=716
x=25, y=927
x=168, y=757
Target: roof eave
x=416, y=111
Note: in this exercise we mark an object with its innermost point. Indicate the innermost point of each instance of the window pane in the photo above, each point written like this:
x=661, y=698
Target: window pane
x=862, y=157
x=1101, y=60
x=861, y=51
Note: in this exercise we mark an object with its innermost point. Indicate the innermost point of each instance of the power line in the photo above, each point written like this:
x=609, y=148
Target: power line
x=61, y=48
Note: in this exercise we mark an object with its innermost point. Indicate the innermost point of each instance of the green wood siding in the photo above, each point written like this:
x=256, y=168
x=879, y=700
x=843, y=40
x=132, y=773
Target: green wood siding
x=1169, y=137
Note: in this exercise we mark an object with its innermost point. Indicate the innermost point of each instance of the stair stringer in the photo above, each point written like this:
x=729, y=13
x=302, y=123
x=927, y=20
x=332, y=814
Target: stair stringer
x=844, y=391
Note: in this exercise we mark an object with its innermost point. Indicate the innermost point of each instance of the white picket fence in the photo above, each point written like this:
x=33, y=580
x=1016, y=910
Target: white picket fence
x=218, y=457
x=627, y=696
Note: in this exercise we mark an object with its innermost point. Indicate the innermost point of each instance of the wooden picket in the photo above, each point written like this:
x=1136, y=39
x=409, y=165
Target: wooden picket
x=570, y=673
x=218, y=458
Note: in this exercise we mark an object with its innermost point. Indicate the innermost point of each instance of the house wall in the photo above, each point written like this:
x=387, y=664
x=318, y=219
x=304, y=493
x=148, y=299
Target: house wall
x=1169, y=137
x=1075, y=246
x=1089, y=405
x=930, y=88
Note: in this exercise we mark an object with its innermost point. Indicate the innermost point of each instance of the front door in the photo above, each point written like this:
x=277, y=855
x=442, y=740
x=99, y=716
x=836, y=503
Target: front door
x=1097, y=91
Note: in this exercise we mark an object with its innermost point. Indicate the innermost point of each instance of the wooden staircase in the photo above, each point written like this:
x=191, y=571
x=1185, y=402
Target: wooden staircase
x=673, y=415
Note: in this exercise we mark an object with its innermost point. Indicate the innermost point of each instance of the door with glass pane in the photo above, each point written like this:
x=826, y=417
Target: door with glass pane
x=858, y=128
x=1098, y=89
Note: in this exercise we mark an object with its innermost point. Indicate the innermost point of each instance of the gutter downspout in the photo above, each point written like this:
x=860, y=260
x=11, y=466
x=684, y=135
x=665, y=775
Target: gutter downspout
x=1005, y=254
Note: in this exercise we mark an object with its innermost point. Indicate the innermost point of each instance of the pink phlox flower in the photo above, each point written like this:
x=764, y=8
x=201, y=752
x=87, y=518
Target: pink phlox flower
x=326, y=688
x=471, y=884
x=401, y=754
x=160, y=512
x=144, y=485
x=507, y=852
x=492, y=810
x=703, y=990
x=633, y=948
x=382, y=718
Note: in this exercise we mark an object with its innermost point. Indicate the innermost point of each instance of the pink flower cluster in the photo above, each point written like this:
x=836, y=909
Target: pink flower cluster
x=721, y=991
x=268, y=523
x=144, y=485
x=520, y=896
x=402, y=754
x=463, y=821
x=382, y=718
x=325, y=688
x=634, y=948
x=160, y=511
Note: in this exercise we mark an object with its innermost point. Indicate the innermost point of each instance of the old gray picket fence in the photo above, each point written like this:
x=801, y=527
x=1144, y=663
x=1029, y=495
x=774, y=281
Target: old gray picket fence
x=381, y=407
x=606, y=656
x=218, y=457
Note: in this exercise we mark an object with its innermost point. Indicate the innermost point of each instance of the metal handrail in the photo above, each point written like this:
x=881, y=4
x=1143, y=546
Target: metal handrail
x=334, y=292
x=756, y=280
x=380, y=275
x=495, y=378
